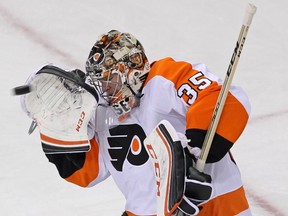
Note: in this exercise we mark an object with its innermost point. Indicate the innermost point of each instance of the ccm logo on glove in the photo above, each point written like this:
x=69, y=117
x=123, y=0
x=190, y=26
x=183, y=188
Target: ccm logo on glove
x=80, y=121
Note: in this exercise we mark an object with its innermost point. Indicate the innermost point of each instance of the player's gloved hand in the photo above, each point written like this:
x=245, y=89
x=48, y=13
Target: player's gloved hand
x=198, y=184
x=61, y=104
x=198, y=190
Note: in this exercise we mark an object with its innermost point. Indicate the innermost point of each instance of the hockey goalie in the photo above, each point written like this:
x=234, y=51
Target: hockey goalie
x=142, y=124
x=63, y=107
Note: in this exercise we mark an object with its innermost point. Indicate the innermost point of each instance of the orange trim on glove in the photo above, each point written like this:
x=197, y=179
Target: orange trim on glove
x=62, y=142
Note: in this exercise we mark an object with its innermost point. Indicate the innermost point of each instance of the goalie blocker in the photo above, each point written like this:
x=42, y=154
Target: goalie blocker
x=167, y=154
x=178, y=193
x=61, y=104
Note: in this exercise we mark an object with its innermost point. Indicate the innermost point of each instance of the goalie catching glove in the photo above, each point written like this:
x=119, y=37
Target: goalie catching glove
x=61, y=104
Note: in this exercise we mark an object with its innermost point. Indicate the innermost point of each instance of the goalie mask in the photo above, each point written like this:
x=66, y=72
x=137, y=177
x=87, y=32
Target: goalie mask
x=117, y=66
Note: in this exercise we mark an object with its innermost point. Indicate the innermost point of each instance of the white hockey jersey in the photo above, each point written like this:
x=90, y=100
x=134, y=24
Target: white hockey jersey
x=185, y=95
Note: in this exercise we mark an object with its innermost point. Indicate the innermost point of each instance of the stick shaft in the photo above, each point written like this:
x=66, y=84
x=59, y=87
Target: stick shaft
x=250, y=11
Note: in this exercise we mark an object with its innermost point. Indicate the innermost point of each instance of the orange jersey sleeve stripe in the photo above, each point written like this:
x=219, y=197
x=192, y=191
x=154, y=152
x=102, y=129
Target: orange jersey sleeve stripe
x=228, y=204
x=169, y=69
x=233, y=119
x=90, y=170
x=57, y=141
x=234, y=116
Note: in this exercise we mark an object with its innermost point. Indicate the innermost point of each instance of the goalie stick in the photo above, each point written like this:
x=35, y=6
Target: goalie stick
x=249, y=13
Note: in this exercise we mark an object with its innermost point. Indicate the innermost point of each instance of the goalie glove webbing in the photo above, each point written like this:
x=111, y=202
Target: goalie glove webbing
x=61, y=104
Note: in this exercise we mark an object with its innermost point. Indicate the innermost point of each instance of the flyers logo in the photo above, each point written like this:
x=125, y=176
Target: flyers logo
x=96, y=56
x=127, y=142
